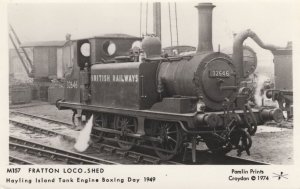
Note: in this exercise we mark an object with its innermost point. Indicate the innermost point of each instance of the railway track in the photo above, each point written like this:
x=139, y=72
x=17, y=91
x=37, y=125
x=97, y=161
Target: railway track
x=18, y=161
x=241, y=161
x=54, y=154
x=136, y=157
x=232, y=160
x=206, y=157
x=40, y=130
x=15, y=112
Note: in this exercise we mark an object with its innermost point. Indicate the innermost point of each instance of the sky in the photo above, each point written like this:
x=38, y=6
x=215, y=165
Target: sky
x=273, y=21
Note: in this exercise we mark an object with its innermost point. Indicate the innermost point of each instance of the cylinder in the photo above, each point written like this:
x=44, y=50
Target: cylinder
x=205, y=26
x=211, y=119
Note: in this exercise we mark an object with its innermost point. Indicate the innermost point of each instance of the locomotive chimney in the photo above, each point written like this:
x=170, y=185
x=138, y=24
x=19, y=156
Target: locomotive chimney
x=157, y=19
x=205, y=26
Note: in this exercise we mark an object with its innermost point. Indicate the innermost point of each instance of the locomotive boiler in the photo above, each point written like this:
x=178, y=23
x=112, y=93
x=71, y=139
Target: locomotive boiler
x=139, y=98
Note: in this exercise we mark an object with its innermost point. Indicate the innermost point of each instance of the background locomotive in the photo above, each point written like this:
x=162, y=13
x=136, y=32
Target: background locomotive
x=283, y=91
x=137, y=97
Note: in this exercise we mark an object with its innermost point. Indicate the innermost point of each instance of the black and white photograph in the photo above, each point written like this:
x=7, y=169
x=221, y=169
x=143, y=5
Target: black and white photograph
x=140, y=92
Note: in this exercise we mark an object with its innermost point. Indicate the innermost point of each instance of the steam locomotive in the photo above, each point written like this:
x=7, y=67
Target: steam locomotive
x=167, y=104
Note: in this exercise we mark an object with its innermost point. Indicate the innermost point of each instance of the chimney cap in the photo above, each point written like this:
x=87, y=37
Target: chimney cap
x=205, y=5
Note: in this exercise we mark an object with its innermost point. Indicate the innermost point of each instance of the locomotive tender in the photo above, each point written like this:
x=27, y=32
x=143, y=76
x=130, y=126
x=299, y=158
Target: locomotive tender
x=165, y=104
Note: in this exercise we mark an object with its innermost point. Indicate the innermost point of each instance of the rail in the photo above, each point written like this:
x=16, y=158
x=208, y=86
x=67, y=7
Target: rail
x=54, y=153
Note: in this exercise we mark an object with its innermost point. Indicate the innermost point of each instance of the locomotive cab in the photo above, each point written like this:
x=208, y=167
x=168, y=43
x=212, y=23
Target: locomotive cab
x=87, y=52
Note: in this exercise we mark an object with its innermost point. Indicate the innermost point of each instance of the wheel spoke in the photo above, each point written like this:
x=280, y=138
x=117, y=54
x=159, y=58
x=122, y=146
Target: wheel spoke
x=171, y=135
x=128, y=130
x=171, y=132
x=171, y=139
x=171, y=148
x=99, y=121
x=129, y=125
x=168, y=126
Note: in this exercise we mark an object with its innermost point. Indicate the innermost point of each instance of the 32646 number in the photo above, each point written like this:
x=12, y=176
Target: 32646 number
x=219, y=73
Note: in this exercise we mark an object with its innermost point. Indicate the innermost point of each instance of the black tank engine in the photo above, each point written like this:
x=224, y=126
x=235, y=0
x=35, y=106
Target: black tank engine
x=138, y=97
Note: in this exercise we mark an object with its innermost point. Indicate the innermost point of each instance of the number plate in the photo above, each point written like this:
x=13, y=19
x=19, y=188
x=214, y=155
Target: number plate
x=219, y=73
